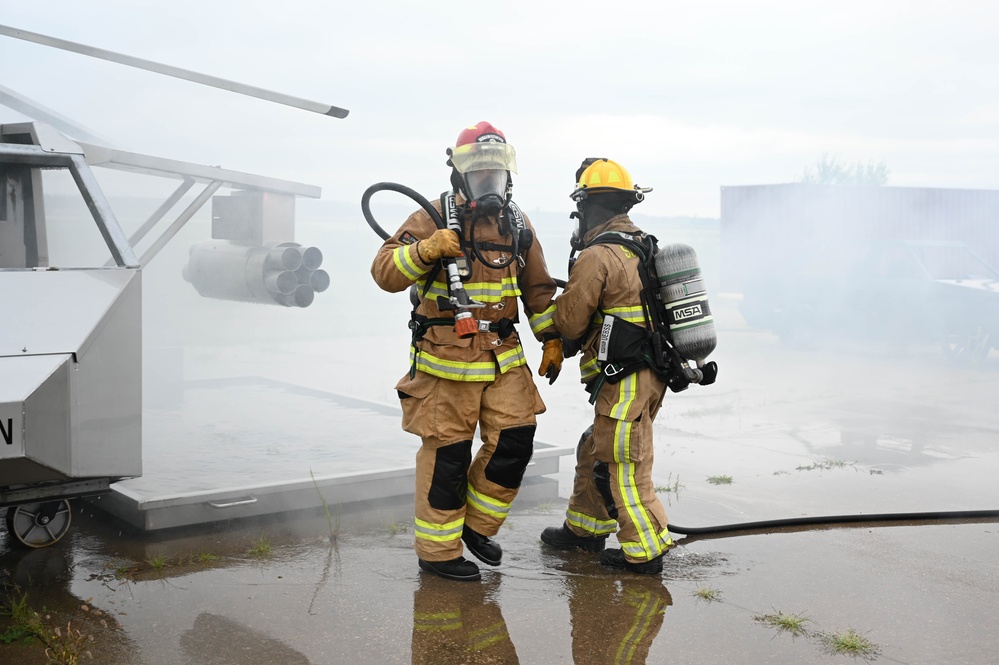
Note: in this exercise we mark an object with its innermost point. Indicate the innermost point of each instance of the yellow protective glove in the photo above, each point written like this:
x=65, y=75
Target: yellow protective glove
x=551, y=360
x=444, y=242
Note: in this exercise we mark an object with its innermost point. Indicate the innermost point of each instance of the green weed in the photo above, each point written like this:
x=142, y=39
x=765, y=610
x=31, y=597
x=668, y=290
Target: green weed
x=720, y=480
x=158, y=562
x=823, y=465
x=62, y=647
x=334, y=530
x=261, y=548
x=851, y=643
x=708, y=594
x=670, y=489
x=785, y=623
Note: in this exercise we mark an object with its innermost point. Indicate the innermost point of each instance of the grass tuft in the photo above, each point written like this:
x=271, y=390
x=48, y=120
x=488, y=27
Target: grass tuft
x=785, y=623
x=850, y=643
x=708, y=594
x=261, y=548
x=720, y=480
x=823, y=465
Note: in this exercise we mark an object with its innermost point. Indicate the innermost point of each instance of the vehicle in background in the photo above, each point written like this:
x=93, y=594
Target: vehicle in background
x=891, y=291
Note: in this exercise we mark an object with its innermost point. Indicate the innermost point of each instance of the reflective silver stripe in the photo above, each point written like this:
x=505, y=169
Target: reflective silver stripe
x=510, y=359
x=487, y=504
x=404, y=262
x=493, y=291
x=636, y=512
x=627, y=388
x=436, y=621
x=481, y=291
x=436, y=289
x=630, y=314
x=590, y=524
x=589, y=369
x=438, y=532
x=452, y=369
x=483, y=638
x=648, y=609
x=543, y=320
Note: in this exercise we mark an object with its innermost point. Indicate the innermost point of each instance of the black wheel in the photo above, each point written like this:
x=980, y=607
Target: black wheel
x=39, y=524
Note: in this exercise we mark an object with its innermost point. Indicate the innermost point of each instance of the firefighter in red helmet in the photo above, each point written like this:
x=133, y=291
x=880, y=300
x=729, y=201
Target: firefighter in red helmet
x=460, y=380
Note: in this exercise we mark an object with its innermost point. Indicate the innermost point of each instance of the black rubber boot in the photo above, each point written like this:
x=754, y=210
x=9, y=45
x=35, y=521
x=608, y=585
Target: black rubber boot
x=485, y=550
x=560, y=537
x=615, y=559
x=455, y=569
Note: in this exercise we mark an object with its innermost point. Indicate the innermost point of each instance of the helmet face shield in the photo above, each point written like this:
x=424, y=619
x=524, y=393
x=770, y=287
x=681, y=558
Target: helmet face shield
x=486, y=155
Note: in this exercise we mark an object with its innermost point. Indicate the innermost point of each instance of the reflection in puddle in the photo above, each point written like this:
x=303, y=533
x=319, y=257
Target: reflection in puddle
x=615, y=620
x=459, y=623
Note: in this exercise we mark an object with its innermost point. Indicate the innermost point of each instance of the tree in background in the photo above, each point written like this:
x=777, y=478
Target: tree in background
x=831, y=170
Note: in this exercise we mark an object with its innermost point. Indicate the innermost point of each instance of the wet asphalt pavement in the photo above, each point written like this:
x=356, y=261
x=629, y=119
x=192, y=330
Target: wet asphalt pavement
x=797, y=432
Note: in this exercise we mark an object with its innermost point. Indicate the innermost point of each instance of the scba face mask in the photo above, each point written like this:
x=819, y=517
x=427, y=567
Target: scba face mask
x=487, y=189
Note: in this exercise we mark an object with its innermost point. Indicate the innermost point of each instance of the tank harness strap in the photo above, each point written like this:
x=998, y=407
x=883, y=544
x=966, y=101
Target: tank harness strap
x=628, y=358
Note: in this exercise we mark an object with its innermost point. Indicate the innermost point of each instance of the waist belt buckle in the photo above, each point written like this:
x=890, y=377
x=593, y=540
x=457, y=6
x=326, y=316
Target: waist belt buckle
x=483, y=326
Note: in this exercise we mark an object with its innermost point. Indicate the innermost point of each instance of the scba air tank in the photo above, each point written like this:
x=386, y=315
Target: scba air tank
x=683, y=294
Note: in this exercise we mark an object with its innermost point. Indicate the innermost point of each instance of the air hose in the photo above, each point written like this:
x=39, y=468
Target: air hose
x=834, y=520
x=402, y=189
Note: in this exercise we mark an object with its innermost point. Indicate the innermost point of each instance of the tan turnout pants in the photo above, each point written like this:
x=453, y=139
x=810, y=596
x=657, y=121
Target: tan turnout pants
x=613, y=488
x=454, y=490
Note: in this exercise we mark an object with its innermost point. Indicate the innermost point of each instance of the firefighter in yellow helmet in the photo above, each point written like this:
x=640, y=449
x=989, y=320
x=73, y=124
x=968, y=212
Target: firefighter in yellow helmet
x=462, y=379
x=613, y=489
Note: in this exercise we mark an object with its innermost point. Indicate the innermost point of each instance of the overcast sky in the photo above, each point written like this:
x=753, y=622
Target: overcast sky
x=688, y=96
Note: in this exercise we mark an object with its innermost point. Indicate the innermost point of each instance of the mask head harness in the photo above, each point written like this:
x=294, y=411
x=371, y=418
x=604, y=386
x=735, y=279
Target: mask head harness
x=603, y=189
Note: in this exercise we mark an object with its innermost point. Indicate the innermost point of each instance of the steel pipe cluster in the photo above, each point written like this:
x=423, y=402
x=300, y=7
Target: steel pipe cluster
x=279, y=274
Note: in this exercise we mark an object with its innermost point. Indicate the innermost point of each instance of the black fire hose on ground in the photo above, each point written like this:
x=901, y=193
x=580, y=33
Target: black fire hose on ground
x=883, y=519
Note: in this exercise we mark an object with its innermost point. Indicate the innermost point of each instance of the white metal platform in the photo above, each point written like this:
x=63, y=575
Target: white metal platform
x=249, y=446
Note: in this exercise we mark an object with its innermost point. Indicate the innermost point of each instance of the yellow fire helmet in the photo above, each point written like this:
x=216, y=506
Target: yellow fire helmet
x=603, y=175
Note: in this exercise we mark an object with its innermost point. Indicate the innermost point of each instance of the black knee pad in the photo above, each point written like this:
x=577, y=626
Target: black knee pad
x=513, y=452
x=601, y=476
x=450, y=482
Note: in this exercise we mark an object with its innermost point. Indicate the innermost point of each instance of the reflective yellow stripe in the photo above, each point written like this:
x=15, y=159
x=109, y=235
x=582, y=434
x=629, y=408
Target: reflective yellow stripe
x=638, y=515
x=590, y=524
x=481, y=291
x=543, y=320
x=436, y=289
x=649, y=608
x=589, y=369
x=404, y=262
x=436, y=621
x=480, y=640
x=637, y=550
x=627, y=389
x=453, y=369
x=493, y=291
x=631, y=314
x=510, y=359
x=486, y=504
x=439, y=532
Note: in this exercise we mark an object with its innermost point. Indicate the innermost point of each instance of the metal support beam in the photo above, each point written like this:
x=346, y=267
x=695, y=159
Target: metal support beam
x=177, y=72
x=178, y=224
